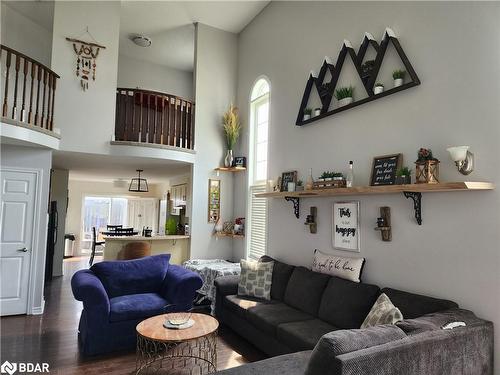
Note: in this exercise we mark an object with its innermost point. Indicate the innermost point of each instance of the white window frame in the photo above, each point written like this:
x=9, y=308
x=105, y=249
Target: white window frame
x=254, y=104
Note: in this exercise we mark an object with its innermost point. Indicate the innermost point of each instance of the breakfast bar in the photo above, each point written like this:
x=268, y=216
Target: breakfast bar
x=176, y=245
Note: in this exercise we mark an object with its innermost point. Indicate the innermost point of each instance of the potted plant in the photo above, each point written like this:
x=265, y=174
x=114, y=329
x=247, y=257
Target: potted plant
x=399, y=77
x=337, y=176
x=379, y=88
x=317, y=112
x=232, y=127
x=307, y=114
x=326, y=176
x=299, y=186
x=344, y=95
x=426, y=167
x=403, y=176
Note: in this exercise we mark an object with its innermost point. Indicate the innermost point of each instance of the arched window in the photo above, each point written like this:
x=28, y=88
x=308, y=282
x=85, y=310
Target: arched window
x=257, y=207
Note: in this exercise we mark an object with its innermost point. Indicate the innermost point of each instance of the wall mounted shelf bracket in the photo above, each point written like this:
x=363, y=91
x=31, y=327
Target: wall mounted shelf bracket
x=417, y=204
x=296, y=205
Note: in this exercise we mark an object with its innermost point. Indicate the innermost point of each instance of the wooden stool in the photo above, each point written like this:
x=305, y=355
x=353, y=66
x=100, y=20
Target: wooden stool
x=135, y=250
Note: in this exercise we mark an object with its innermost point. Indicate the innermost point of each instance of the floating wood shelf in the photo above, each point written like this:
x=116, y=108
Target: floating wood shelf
x=413, y=191
x=230, y=169
x=231, y=235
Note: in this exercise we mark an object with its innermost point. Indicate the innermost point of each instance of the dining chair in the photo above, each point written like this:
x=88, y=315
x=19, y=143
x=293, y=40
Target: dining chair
x=95, y=243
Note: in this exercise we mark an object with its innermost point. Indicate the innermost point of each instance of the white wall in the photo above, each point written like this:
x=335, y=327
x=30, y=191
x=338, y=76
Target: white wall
x=455, y=253
x=215, y=89
x=79, y=189
x=39, y=159
x=25, y=36
x=59, y=193
x=86, y=119
x=134, y=73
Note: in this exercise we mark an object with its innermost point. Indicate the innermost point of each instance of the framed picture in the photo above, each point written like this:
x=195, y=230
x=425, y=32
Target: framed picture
x=287, y=177
x=345, y=226
x=240, y=161
x=384, y=169
x=213, y=200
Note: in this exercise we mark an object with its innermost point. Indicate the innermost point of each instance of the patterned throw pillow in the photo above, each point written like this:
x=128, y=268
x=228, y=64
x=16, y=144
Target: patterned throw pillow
x=256, y=279
x=343, y=267
x=382, y=312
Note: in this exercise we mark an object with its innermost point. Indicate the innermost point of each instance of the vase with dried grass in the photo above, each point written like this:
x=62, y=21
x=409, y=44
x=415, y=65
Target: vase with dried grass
x=231, y=127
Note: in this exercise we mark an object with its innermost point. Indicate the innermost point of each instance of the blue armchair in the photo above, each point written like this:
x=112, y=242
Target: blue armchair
x=117, y=295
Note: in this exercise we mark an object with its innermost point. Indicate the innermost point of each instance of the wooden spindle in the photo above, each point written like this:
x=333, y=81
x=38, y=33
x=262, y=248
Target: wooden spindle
x=39, y=77
x=125, y=124
x=140, y=116
x=188, y=126
x=49, y=98
x=14, y=106
x=30, y=113
x=192, y=126
x=162, y=102
x=23, y=106
x=167, y=120
x=43, y=97
x=7, y=66
x=184, y=126
x=54, y=80
x=154, y=119
x=132, y=132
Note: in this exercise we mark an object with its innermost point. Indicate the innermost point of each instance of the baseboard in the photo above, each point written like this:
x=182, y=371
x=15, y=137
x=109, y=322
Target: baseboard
x=38, y=310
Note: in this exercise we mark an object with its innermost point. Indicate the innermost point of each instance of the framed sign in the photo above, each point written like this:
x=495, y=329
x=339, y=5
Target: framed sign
x=240, y=161
x=384, y=169
x=287, y=177
x=345, y=231
x=213, y=200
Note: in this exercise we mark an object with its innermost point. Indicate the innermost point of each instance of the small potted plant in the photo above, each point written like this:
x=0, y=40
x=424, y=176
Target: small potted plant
x=337, y=176
x=399, y=77
x=317, y=112
x=379, y=88
x=426, y=167
x=344, y=95
x=307, y=114
x=299, y=186
x=327, y=176
x=403, y=176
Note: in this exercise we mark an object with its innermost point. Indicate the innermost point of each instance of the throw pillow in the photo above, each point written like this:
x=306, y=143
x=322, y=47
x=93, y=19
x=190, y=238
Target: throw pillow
x=343, y=267
x=256, y=279
x=382, y=312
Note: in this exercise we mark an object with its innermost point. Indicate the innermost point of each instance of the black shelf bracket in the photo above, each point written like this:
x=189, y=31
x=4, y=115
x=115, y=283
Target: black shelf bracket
x=296, y=205
x=417, y=204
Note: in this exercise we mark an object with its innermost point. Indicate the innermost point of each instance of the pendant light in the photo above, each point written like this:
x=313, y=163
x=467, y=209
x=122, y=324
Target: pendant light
x=138, y=184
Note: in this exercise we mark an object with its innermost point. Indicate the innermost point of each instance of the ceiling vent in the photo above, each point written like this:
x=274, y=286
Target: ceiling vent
x=142, y=40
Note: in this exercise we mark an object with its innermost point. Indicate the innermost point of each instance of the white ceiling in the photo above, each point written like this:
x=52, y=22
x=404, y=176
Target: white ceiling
x=92, y=167
x=170, y=25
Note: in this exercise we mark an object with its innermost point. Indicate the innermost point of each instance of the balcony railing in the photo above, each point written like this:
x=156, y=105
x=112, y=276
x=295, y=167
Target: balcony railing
x=29, y=89
x=154, y=117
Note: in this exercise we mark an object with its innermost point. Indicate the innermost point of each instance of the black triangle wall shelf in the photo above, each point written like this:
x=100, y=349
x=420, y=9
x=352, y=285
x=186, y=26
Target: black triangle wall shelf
x=326, y=89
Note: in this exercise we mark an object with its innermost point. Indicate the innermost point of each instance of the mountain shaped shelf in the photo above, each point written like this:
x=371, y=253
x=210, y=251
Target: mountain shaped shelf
x=326, y=89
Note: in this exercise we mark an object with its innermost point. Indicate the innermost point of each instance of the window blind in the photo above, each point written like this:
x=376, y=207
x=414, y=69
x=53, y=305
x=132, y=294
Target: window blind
x=258, y=223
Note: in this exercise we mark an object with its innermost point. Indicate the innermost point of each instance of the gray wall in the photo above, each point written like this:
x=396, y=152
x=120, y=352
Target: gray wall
x=454, y=49
x=39, y=159
x=146, y=75
x=215, y=77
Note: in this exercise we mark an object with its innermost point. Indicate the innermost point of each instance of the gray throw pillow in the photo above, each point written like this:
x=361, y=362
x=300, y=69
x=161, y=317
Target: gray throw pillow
x=340, y=342
x=382, y=312
x=256, y=279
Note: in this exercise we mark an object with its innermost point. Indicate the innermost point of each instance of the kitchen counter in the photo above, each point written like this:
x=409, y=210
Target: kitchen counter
x=176, y=245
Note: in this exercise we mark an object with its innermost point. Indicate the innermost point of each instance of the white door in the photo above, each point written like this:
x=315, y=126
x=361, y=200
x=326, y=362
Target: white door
x=17, y=216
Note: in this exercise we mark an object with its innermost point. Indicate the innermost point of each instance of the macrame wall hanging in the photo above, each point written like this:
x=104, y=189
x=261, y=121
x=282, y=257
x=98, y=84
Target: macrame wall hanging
x=86, y=56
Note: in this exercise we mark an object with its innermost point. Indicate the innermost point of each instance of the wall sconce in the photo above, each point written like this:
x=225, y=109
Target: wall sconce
x=463, y=158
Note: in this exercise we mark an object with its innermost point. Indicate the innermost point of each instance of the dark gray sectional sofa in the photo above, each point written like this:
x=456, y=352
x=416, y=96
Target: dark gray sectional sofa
x=311, y=326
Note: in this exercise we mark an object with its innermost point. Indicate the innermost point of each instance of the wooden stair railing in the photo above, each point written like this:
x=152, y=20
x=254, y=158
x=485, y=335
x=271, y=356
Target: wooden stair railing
x=32, y=74
x=154, y=117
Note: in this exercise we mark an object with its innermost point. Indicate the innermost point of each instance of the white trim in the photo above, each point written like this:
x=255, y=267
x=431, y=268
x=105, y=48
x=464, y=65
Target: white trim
x=39, y=309
x=17, y=133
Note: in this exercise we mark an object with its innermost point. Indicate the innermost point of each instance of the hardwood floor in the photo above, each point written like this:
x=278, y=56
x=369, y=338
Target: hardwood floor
x=52, y=337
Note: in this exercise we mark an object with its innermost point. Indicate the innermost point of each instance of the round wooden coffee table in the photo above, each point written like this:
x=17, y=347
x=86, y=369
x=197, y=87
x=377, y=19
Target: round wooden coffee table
x=177, y=351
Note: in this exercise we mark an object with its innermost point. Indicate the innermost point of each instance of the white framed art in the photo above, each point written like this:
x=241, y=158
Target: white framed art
x=345, y=226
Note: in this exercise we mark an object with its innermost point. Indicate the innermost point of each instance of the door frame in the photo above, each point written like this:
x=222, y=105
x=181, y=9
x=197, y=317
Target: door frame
x=35, y=236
